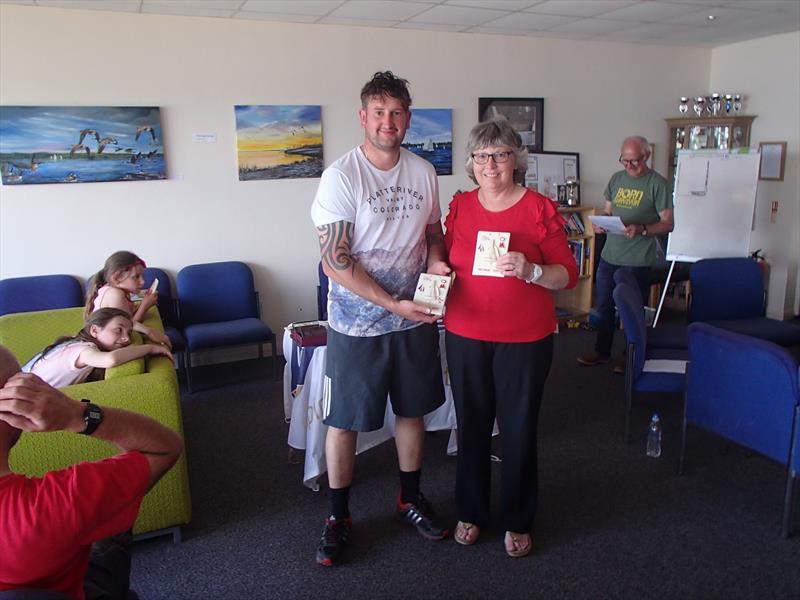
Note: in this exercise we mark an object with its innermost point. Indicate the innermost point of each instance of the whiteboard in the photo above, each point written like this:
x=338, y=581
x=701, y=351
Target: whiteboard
x=715, y=195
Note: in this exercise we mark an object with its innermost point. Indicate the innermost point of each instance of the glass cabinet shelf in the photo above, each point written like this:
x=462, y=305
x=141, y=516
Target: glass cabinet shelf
x=706, y=133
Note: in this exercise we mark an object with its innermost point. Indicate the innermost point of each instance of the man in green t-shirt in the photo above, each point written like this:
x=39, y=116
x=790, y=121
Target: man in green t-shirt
x=640, y=197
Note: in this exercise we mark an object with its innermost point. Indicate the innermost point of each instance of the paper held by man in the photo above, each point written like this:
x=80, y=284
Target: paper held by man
x=432, y=291
x=610, y=224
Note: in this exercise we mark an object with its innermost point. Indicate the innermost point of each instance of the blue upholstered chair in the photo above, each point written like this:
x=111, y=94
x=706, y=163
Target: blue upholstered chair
x=167, y=309
x=663, y=336
x=729, y=293
x=747, y=391
x=218, y=307
x=322, y=294
x=39, y=292
x=646, y=370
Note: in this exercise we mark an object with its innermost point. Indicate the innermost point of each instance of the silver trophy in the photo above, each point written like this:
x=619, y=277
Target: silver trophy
x=683, y=107
x=728, y=103
x=716, y=104
x=699, y=105
x=737, y=103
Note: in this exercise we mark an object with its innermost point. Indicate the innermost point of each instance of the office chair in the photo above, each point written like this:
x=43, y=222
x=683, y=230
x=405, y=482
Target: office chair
x=39, y=292
x=219, y=307
x=646, y=370
x=729, y=293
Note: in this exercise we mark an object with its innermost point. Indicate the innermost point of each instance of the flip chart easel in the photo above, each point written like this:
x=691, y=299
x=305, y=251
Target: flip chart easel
x=714, y=200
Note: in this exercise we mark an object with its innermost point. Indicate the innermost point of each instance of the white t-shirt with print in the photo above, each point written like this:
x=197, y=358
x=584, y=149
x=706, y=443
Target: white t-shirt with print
x=390, y=211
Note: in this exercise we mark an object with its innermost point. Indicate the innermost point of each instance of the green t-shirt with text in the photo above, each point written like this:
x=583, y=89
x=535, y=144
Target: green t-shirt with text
x=635, y=200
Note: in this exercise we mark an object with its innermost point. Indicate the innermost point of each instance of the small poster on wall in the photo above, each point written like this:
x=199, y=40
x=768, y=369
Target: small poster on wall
x=430, y=136
x=279, y=141
x=80, y=144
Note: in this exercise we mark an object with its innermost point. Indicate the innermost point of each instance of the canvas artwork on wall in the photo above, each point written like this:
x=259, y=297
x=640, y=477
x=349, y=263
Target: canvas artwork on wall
x=431, y=137
x=279, y=142
x=80, y=144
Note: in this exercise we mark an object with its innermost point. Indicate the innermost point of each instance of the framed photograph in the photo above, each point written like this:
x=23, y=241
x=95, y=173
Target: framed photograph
x=773, y=160
x=525, y=114
x=549, y=170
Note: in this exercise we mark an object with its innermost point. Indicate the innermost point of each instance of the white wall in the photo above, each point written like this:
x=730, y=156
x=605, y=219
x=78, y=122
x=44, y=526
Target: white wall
x=197, y=69
x=767, y=71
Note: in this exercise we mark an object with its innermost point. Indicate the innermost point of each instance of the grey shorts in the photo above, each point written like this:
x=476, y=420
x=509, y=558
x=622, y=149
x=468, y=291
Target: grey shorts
x=362, y=371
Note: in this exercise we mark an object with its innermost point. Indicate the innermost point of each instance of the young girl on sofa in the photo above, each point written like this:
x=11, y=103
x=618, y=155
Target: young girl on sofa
x=102, y=343
x=112, y=287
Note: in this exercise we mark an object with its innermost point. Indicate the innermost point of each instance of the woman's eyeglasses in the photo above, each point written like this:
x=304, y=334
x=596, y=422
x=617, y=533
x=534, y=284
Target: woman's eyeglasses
x=481, y=158
x=633, y=162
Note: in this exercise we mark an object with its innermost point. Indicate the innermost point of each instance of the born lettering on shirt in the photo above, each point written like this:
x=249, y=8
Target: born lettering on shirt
x=628, y=198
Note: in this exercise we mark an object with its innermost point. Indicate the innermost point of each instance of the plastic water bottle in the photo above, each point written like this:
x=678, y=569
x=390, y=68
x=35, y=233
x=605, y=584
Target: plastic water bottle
x=654, y=437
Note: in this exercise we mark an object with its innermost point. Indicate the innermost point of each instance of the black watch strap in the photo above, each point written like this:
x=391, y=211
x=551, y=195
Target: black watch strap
x=92, y=416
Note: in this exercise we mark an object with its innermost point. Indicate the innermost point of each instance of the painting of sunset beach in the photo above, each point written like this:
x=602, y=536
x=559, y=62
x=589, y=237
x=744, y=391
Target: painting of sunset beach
x=80, y=144
x=279, y=142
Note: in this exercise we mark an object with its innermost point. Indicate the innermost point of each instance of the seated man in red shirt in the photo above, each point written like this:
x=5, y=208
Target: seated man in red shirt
x=48, y=524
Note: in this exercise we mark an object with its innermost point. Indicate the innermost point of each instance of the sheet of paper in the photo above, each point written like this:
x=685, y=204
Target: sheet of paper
x=490, y=246
x=664, y=365
x=610, y=224
x=693, y=178
x=432, y=291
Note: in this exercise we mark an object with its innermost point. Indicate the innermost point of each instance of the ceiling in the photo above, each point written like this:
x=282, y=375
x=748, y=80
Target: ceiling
x=670, y=22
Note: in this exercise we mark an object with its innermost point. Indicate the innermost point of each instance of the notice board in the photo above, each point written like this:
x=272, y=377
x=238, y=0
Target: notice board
x=715, y=196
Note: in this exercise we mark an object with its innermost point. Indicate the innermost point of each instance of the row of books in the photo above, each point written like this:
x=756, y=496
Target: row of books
x=580, y=251
x=574, y=224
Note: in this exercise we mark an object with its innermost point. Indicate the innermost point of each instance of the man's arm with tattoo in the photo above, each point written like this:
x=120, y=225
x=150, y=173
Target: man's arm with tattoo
x=335, y=241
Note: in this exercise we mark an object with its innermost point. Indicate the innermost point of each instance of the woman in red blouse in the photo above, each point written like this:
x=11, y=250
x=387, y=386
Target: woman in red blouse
x=500, y=328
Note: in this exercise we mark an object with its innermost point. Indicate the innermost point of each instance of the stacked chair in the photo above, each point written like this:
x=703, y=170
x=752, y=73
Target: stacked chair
x=647, y=369
x=729, y=293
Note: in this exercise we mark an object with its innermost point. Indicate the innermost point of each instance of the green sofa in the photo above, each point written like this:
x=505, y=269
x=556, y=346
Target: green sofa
x=148, y=386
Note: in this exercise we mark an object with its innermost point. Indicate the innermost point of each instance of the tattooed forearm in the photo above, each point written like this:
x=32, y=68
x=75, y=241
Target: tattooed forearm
x=334, y=245
x=434, y=238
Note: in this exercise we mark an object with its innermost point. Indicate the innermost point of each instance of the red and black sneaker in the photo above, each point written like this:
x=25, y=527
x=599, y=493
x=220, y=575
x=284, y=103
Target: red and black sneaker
x=334, y=538
x=420, y=514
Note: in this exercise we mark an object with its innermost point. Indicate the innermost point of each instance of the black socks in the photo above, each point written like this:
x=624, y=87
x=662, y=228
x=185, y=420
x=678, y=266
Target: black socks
x=409, y=485
x=340, y=498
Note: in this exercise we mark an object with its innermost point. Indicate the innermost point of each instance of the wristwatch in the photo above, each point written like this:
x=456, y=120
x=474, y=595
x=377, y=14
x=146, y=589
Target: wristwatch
x=644, y=230
x=536, y=273
x=92, y=416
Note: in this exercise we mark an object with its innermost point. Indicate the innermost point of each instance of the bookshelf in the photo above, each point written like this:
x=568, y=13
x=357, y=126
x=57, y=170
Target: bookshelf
x=576, y=303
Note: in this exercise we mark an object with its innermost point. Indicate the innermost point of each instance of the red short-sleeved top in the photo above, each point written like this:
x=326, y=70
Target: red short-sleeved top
x=504, y=309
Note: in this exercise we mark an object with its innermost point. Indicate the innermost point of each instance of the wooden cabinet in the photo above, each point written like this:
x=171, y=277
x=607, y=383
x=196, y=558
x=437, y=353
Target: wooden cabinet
x=705, y=133
x=575, y=303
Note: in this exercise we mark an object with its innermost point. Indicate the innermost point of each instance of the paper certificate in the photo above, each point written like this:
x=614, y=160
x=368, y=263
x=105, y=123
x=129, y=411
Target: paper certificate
x=432, y=291
x=610, y=224
x=490, y=246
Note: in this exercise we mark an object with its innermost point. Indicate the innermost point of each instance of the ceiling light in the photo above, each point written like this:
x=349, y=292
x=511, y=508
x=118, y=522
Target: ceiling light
x=711, y=17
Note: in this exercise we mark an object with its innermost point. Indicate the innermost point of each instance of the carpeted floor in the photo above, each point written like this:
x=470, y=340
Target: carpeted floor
x=612, y=523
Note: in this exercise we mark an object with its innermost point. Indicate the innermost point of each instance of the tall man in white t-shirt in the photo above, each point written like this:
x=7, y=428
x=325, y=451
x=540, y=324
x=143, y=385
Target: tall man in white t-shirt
x=379, y=223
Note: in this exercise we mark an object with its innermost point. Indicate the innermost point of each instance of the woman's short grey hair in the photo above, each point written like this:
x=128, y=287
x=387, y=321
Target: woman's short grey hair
x=497, y=132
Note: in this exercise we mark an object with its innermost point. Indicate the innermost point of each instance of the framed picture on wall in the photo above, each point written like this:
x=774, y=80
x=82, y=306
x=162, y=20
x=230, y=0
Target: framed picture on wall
x=547, y=171
x=773, y=160
x=525, y=114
